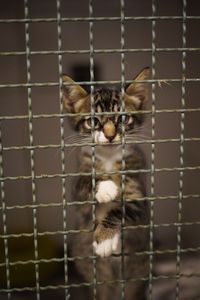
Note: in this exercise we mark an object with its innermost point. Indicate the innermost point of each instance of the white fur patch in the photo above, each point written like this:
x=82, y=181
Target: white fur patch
x=107, y=191
x=108, y=247
x=99, y=137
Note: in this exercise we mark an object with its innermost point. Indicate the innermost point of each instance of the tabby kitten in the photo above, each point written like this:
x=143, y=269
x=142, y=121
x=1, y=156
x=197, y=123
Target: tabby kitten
x=112, y=215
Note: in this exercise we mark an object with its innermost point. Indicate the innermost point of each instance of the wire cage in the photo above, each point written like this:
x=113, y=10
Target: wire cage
x=98, y=43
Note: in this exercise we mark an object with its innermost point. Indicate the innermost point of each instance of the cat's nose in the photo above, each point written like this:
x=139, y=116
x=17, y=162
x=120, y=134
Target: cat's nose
x=110, y=138
x=109, y=130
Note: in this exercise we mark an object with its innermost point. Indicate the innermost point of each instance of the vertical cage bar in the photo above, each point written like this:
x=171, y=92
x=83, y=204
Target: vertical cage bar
x=91, y=38
x=32, y=154
x=4, y=221
x=62, y=147
x=182, y=126
x=153, y=60
x=123, y=141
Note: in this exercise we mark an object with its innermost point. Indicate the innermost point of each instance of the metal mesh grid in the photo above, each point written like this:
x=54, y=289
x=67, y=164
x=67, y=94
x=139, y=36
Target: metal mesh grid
x=152, y=170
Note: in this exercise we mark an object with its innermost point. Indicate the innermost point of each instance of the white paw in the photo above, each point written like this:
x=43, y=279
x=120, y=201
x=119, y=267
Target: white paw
x=108, y=247
x=107, y=191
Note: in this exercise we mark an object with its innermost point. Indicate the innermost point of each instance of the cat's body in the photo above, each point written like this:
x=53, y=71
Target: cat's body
x=110, y=209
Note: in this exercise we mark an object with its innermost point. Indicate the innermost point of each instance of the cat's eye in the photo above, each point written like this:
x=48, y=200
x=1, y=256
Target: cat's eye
x=127, y=119
x=88, y=123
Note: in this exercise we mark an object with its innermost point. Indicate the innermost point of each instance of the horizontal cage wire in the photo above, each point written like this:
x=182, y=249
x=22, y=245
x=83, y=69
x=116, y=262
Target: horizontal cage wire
x=100, y=45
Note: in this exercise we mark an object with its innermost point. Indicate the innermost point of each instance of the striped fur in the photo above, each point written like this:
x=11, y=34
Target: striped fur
x=111, y=213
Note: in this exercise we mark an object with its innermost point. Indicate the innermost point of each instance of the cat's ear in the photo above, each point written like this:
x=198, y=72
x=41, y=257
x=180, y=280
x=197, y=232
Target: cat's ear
x=137, y=91
x=74, y=96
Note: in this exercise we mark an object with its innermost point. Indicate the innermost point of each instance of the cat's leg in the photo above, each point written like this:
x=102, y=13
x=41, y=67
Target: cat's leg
x=107, y=235
x=107, y=190
x=106, y=240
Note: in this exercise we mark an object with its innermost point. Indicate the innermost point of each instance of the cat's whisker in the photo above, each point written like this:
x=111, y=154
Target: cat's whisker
x=142, y=128
x=75, y=139
x=77, y=134
x=138, y=137
x=69, y=137
x=139, y=134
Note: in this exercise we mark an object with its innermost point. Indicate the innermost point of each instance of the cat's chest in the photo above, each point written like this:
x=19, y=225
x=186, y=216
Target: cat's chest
x=107, y=159
x=108, y=164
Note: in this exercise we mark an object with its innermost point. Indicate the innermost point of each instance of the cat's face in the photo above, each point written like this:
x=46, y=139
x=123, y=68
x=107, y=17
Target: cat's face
x=110, y=121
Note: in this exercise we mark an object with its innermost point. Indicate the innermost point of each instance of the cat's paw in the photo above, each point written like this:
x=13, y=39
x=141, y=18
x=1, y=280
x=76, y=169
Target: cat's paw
x=108, y=246
x=107, y=191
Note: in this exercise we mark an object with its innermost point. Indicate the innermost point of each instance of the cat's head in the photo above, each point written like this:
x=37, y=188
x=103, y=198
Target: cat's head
x=108, y=103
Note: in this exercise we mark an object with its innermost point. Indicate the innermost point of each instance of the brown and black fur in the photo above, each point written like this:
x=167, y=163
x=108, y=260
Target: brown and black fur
x=131, y=266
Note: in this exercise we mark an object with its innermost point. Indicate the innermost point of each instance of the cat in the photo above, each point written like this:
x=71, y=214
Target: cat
x=111, y=213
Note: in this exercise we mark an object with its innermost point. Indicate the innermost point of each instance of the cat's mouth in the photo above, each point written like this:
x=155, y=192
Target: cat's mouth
x=101, y=139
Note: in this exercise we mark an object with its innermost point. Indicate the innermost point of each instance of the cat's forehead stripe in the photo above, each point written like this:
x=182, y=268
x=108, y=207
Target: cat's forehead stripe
x=106, y=100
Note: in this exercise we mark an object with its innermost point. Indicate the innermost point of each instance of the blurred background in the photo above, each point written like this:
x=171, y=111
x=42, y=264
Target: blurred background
x=18, y=218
